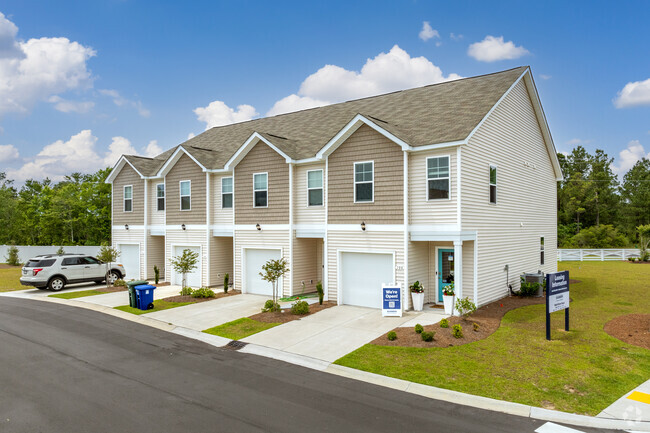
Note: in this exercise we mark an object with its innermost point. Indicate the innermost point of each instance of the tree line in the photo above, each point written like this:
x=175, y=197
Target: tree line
x=596, y=209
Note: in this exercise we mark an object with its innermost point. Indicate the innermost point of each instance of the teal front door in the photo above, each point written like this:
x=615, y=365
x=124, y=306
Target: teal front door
x=445, y=269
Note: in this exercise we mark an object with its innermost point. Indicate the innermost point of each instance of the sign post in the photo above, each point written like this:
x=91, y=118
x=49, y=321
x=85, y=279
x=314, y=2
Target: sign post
x=391, y=300
x=557, y=298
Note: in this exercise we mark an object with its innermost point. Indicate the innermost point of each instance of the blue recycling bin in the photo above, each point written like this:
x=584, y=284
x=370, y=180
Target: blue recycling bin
x=144, y=295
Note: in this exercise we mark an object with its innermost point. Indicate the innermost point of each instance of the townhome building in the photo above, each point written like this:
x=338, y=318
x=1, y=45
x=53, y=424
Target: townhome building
x=452, y=182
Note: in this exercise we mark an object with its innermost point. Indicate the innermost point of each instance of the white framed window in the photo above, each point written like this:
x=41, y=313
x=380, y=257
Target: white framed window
x=438, y=181
x=186, y=194
x=364, y=182
x=226, y=192
x=314, y=187
x=493, y=184
x=541, y=250
x=260, y=190
x=128, y=198
x=160, y=196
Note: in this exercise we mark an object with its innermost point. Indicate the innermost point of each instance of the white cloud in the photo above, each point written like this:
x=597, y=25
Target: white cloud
x=191, y=135
x=455, y=37
x=629, y=156
x=118, y=147
x=8, y=152
x=152, y=149
x=634, y=94
x=575, y=141
x=427, y=32
x=493, y=48
x=9, y=47
x=67, y=106
x=217, y=113
x=545, y=77
x=387, y=72
x=121, y=101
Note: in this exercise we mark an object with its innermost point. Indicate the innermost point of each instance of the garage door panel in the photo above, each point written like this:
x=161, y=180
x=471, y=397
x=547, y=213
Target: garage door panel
x=193, y=279
x=254, y=260
x=362, y=275
x=130, y=258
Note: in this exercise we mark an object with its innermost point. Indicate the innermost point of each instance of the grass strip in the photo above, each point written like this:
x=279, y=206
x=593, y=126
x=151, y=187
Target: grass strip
x=73, y=295
x=10, y=279
x=158, y=305
x=240, y=328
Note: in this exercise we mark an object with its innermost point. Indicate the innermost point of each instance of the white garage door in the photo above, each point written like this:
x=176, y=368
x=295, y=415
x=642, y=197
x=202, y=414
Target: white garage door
x=254, y=259
x=192, y=279
x=130, y=258
x=362, y=275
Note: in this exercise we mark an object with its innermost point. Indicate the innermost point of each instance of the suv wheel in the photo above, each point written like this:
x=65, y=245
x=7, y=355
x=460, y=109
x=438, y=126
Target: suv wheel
x=56, y=284
x=112, y=277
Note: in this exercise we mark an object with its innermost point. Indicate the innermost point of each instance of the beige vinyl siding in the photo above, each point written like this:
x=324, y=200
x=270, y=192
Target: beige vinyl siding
x=468, y=270
x=439, y=211
x=419, y=267
x=307, y=263
x=262, y=159
x=131, y=236
x=304, y=214
x=508, y=232
x=221, y=260
x=187, y=238
x=219, y=215
x=155, y=256
x=128, y=176
x=366, y=144
x=376, y=242
x=185, y=169
x=252, y=239
x=156, y=217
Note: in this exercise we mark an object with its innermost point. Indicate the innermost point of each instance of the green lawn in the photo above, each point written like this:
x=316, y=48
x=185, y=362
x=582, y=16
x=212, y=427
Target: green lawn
x=10, y=279
x=81, y=294
x=240, y=328
x=582, y=371
x=158, y=305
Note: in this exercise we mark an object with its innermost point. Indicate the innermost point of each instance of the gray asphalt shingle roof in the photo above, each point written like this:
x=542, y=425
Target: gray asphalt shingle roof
x=437, y=113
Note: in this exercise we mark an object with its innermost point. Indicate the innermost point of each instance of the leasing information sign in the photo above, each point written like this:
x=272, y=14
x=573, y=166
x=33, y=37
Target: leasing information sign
x=557, y=298
x=391, y=300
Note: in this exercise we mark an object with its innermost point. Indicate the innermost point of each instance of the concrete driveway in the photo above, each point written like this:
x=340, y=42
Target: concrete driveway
x=334, y=332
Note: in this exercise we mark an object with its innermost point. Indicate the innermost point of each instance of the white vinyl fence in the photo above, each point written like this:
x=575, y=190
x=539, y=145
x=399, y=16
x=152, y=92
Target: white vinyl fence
x=27, y=252
x=565, y=255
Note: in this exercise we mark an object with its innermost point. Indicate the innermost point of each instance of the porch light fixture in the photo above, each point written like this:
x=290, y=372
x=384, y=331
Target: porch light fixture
x=126, y=226
x=258, y=227
x=183, y=226
x=363, y=226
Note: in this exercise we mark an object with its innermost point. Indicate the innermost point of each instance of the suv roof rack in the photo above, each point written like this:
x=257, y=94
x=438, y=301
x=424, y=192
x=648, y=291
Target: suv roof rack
x=60, y=255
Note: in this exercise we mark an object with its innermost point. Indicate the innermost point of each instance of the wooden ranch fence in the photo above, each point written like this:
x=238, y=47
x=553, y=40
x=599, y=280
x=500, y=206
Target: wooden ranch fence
x=583, y=255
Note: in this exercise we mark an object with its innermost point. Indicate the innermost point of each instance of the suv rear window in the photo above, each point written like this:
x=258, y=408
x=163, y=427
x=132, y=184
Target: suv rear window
x=45, y=263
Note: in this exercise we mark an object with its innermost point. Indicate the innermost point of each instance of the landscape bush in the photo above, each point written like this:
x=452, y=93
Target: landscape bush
x=392, y=335
x=321, y=292
x=270, y=306
x=300, y=307
x=203, y=292
x=156, y=274
x=444, y=323
x=457, y=331
x=476, y=326
x=528, y=289
x=186, y=291
x=119, y=283
x=419, y=328
x=465, y=307
x=12, y=256
x=226, y=279
x=427, y=336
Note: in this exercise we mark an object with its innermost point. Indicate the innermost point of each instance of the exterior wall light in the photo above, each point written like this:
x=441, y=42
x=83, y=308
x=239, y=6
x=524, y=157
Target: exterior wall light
x=258, y=227
x=126, y=226
x=363, y=226
x=183, y=226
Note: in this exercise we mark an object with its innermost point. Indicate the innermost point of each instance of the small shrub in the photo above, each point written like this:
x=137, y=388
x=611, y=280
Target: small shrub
x=528, y=289
x=457, y=331
x=419, y=328
x=12, y=256
x=270, y=306
x=476, y=326
x=444, y=323
x=156, y=274
x=465, y=307
x=203, y=292
x=392, y=335
x=60, y=251
x=427, y=336
x=119, y=283
x=186, y=291
x=225, y=282
x=645, y=256
x=321, y=292
x=300, y=307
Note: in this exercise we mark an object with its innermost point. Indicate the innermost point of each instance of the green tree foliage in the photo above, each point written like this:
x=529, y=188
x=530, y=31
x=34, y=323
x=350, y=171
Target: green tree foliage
x=603, y=236
x=185, y=263
x=635, y=192
x=272, y=271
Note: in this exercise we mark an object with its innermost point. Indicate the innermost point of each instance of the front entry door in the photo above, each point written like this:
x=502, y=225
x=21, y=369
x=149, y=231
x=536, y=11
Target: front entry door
x=445, y=270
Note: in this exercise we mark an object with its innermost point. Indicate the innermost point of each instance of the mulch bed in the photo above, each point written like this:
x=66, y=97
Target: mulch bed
x=112, y=289
x=631, y=329
x=488, y=317
x=285, y=316
x=188, y=298
x=6, y=266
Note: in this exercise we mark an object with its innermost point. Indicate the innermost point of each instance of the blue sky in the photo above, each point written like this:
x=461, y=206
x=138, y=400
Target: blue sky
x=83, y=81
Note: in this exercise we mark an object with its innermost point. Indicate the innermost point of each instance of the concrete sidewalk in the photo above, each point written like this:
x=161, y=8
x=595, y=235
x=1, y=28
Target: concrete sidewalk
x=633, y=406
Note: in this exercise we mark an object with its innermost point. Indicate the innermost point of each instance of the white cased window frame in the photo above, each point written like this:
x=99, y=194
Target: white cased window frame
x=160, y=200
x=260, y=190
x=128, y=200
x=181, y=195
x=542, y=258
x=225, y=193
x=364, y=182
x=492, y=189
x=316, y=188
x=439, y=178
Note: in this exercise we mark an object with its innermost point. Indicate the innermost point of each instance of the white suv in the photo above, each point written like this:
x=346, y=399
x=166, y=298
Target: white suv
x=54, y=271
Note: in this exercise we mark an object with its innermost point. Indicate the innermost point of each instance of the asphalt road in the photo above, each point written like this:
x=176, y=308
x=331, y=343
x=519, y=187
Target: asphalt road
x=65, y=369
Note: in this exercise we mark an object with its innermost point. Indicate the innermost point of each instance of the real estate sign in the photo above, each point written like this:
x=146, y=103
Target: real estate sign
x=557, y=298
x=391, y=300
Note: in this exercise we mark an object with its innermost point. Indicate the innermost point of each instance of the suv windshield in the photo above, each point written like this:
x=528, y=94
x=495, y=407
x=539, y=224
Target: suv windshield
x=36, y=263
